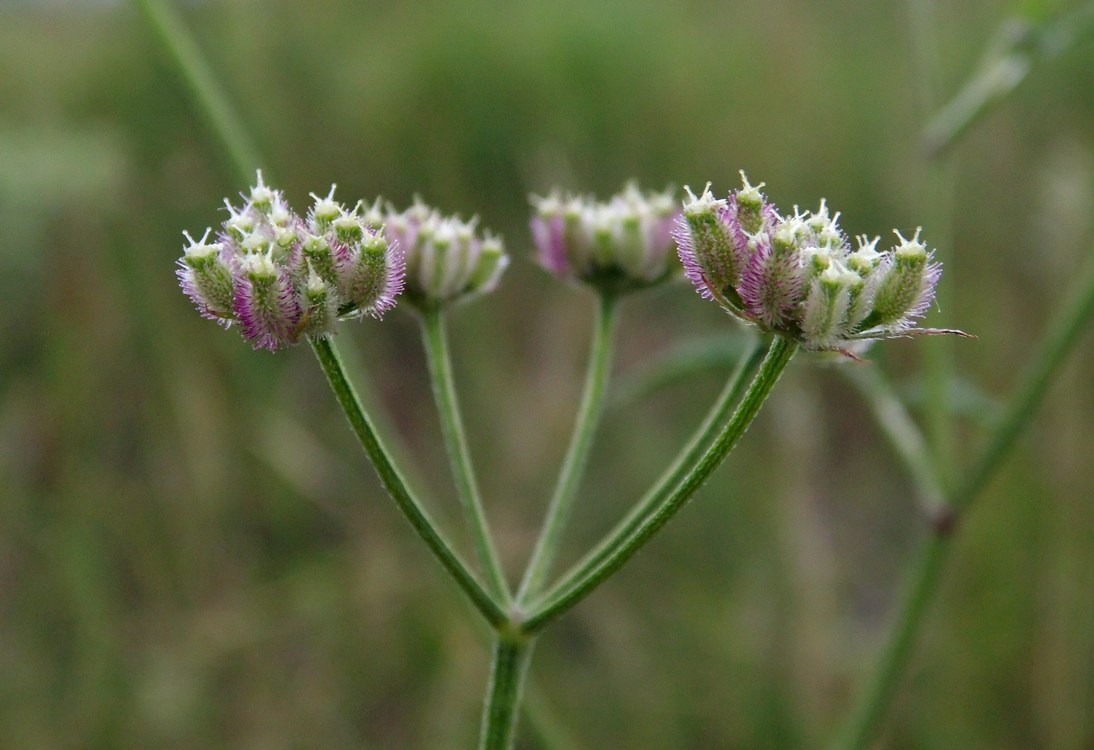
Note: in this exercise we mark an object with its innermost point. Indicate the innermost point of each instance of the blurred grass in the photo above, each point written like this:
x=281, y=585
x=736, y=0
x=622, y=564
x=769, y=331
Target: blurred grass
x=193, y=552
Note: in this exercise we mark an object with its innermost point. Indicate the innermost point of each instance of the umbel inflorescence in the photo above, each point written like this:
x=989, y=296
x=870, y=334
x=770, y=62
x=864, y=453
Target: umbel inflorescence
x=281, y=277
x=621, y=244
x=798, y=275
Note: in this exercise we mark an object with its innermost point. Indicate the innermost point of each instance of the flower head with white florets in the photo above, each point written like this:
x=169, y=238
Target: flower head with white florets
x=281, y=277
x=619, y=245
x=798, y=275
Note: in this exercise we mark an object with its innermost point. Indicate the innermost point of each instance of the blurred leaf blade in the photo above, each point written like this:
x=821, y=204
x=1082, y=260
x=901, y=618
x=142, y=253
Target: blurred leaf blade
x=1019, y=46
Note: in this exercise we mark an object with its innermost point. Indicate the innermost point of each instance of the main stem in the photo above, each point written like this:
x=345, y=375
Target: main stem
x=439, y=359
x=588, y=417
x=393, y=482
x=508, y=670
x=626, y=541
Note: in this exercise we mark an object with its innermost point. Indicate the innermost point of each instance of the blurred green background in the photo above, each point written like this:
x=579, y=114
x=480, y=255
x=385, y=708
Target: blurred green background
x=195, y=554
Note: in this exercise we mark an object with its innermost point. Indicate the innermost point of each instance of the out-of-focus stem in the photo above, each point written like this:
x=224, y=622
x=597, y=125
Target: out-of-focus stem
x=207, y=94
x=877, y=696
x=903, y=434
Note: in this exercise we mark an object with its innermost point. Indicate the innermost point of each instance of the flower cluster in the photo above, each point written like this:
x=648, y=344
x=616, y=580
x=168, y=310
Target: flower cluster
x=281, y=277
x=798, y=276
x=625, y=243
x=446, y=260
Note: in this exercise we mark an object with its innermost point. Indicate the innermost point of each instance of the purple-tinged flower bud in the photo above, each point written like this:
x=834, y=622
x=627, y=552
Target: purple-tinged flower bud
x=750, y=206
x=348, y=228
x=446, y=259
x=239, y=224
x=370, y=276
x=865, y=259
x=749, y=216
x=708, y=252
x=206, y=278
x=825, y=229
x=317, y=251
x=265, y=303
x=620, y=245
x=262, y=199
x=323, y=212
x=281, y=277
x=492, y=261
x=556, y=229
x=771, y=286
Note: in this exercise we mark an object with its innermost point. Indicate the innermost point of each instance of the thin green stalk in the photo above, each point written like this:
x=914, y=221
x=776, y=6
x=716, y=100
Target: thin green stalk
x=877, y=696
x=331, y=362
x=508, y=670
x=439, y=359
x=688, y=456
x=620, y=549
x=207, y=94
x=588, y=418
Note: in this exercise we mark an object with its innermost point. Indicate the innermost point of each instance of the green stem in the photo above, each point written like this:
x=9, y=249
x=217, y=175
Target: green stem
x=588, y=417
x=331, y=362
x=439, y=359
x=687, y=458
x=877, y=696
x=207, y=94
x=508, y=670
x=619, y=549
